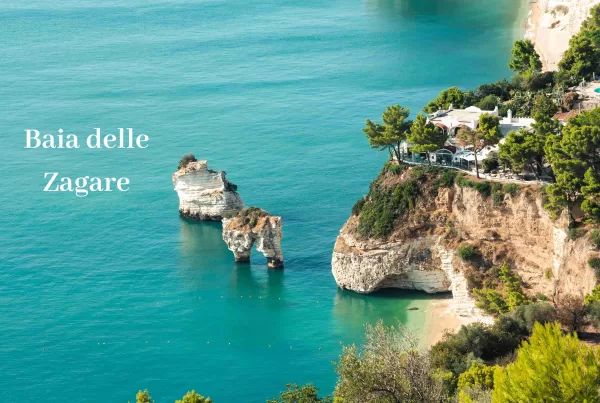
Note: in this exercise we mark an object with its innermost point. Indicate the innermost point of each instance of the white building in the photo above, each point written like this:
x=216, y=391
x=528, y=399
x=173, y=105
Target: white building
x=453, y=119
x=509, y=123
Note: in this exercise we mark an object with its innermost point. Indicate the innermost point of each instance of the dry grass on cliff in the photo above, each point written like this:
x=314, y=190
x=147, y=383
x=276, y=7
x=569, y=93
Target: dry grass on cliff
x=250, y=218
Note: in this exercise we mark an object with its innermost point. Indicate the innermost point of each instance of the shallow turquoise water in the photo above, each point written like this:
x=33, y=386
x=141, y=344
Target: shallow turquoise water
x=103, y=295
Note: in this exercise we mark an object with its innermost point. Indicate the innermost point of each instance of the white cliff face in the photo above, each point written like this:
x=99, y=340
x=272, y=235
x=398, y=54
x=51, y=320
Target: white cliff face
x=205, y=194
x=241, y=234
x=410, y=266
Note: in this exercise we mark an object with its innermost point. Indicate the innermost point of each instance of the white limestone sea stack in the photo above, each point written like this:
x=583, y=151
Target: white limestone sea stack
x=205, y=194
x=254, y=226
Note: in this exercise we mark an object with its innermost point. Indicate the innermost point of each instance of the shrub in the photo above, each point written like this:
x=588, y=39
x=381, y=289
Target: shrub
x=488, y=103
x=498, y=199
x=528, y=315
x=478, y=375
x=251, y=215
x=541, y=297
x=490, y=164
x=550, y=367
x=548, y=274
x=512, y=188
x=456, y=352
x=484, y=188
x=447, y=177
x=594, y=263
x=466, y=252
x=575, y=233
x=496, y=187
x=185, y=160
x=384, y=205
x=357, y=208
x=595, y=238
x=394, y=168
x=490, y=300
x=594, y=296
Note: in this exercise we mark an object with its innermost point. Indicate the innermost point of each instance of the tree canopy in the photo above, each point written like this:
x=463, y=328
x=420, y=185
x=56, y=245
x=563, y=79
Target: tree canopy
x=305, y=394
x=524, y=57
x=193, y=397
x=389, y=368
x=580, y=60
x=452, y=96
x=550, y=367
x=575, y=159
x=390, y=134
x=424, y=137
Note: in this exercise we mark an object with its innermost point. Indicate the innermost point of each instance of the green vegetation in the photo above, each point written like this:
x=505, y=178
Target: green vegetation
x=524, y=58
x=250, y=216
x=484, y=188
x=384, y=205
x=193, y=397
x=594, y=263
x=490, y=164
x=185, y=160
x=357, y=208
x=466, y=252
x=452, y=96
x=143, y=397
x=512, y=188
x=574, y=160
x=389, y=368
x=550, y=367
x=487, y=133
x=447, y=178
x=305, y=394
x=389, y=135
x=425, y=138
x=478, y=376
x=575, y=233
x=594, y=238
x=498, y=290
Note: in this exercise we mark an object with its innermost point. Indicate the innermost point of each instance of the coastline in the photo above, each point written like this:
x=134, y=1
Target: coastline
x=440, y=317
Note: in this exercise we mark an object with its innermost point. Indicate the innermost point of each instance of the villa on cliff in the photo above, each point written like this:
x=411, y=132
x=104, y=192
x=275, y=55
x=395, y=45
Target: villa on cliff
x=451, y=121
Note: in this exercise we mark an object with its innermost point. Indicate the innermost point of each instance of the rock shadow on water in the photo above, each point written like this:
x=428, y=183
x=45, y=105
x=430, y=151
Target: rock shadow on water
x=202, y=252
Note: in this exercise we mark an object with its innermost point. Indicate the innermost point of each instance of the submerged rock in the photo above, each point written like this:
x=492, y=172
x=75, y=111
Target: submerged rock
x=254, y=226
x=205, y=194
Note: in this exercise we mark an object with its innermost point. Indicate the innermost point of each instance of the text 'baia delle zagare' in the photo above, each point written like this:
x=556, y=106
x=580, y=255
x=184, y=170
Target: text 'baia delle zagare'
x=83, y=185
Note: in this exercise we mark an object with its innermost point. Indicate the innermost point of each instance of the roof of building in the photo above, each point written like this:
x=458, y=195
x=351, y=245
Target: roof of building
x=468, y=115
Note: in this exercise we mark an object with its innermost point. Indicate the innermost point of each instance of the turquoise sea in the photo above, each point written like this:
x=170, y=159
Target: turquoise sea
x=104, y=295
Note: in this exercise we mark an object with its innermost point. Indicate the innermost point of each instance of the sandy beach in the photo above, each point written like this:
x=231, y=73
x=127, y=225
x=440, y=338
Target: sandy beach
x=441, y=317
x=551, y=23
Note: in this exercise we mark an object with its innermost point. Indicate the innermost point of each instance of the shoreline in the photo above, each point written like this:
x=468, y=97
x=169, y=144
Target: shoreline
x=441, y=317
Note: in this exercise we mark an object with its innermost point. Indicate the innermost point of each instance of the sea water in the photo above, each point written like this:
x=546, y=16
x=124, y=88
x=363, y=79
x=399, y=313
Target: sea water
x=104, y=295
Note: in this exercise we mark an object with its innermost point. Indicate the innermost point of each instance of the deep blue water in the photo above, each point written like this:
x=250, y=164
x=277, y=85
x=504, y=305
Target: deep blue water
x=104, y=295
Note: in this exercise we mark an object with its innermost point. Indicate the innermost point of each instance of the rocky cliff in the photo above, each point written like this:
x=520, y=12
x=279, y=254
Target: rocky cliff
x=205, y=194
x=254, y=226
x=419, y=251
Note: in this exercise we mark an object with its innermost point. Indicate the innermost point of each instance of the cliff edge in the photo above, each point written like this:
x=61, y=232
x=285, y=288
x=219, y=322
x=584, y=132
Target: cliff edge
x=407, y=233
